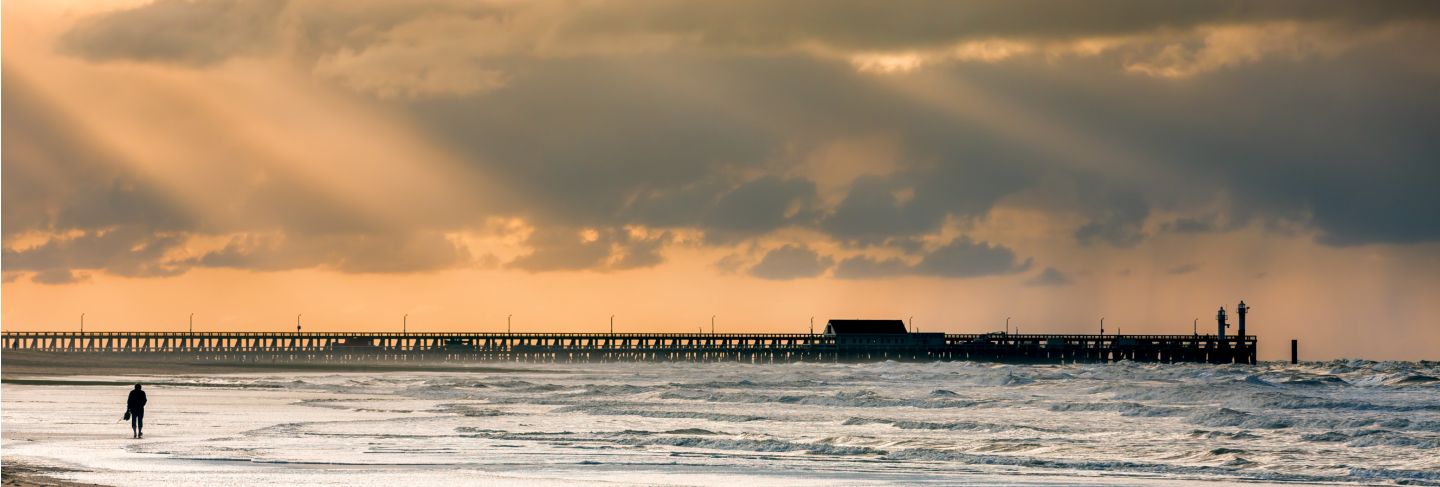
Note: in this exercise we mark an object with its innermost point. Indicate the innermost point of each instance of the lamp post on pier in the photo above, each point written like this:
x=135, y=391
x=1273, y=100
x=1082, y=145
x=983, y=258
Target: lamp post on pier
x=82, y=323
x=712, y=324
x=507, y=324
x=192, y=323
x=297, y=323
x=612, y=324
x=405, y=324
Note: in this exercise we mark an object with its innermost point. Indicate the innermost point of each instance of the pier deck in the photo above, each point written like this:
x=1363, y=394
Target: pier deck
x=586, y=347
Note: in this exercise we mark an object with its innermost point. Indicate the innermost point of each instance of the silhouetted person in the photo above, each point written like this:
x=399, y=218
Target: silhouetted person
x=136, y=406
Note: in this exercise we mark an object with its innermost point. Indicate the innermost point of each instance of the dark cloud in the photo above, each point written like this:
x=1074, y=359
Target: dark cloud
x=1120, y=221
x=791, y=262
x=872, y=211
x=863, y=267
x=966, y=258
x=557, y=249
x=639, y=253
x=565, y=249
x=953, y=169
x=584, y=142
x=56, y=179
x=352, y=253
x=862, y=24
x=178, y=31
x=1192, y=225
x=961, y=258
x=1050, y=277
x=1357, y=168
x=128, y=251
x=758, y=207
x=59, y=276
x=208, y=31
x=1183, y=269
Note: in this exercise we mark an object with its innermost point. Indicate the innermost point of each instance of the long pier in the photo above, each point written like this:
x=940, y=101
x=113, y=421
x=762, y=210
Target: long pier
x=611, y=347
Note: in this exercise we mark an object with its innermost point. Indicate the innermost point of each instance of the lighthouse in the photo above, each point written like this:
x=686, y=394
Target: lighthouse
x=1221, y=324
x=1241, y=311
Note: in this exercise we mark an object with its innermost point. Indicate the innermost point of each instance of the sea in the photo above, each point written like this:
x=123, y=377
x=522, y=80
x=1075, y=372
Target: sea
x=946, y=423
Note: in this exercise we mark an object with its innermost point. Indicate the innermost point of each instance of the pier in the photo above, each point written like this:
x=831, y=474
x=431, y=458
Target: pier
x=659, y=347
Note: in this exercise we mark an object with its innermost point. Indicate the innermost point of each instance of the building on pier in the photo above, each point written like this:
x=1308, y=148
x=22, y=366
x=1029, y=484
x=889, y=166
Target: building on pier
x=879, y=334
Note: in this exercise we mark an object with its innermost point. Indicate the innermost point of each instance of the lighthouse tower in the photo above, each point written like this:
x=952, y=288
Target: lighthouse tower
x=1241, y=311
x=1221, y=324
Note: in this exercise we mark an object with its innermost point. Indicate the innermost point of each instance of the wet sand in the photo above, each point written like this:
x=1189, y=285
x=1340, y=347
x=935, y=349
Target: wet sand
x=18, y=365
x=46, y=368
x=26, y=475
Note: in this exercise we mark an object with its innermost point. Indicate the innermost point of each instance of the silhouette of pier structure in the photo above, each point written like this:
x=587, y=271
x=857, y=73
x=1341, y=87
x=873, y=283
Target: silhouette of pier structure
x=843, y=340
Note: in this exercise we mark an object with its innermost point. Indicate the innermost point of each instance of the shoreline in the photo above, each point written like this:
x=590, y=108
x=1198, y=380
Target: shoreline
x=22, y=474
x=18, y=366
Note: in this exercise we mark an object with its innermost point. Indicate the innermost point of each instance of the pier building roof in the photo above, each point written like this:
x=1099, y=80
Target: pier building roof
x=864, y=327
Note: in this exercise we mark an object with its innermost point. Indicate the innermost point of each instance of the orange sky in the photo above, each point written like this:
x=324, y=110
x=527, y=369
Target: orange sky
x=356, y=162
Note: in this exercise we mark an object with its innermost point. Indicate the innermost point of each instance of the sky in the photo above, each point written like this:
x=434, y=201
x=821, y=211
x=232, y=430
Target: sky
x=953, y=164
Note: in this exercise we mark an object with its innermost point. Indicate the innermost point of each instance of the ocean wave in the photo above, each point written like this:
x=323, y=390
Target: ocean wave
x=862, y=398
x=1239, y=419
x=1373, y=438
x=612, y=410
x=934, y=425
x=1229, y=435
x=1132, y=409
x=467, y=410
x=767, y=445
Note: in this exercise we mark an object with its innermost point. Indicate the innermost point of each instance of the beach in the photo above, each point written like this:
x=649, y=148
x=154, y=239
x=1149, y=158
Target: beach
x=723, y=424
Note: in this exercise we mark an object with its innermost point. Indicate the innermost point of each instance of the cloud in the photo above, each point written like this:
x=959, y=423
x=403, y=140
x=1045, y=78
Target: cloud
x=873, y=211
x=1120, y=221
x=1183, y=269
x=563, y=249
x=570, y=249
x=128, y=251
x=639, y=253
x=966, y=258
x=961, y=258
x=351, y=253
x=611, y=115
x=56, y=179
x=791, y=262
x=864, y=267
x=1049, y=277
x=439, y=39
x=1203, y=224
x=758, y=207
x=59, y=276
x=178, y=31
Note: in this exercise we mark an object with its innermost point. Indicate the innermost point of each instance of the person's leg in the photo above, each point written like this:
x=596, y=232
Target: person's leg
x=140, y=426
x=134, y=426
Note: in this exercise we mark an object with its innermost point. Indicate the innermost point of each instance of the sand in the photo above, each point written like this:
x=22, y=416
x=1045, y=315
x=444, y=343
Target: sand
x=22, y=364
x=25, y=475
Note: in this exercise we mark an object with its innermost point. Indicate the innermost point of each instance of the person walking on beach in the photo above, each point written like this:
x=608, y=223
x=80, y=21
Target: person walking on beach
x=136, y=406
